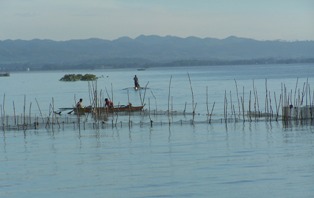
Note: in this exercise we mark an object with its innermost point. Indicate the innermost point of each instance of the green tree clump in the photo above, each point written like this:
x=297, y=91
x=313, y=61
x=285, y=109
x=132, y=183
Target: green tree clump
x=77, y=77
x=88, y=77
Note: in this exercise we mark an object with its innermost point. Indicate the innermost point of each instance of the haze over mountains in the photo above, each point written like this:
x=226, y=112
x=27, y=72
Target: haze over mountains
x=148, y=51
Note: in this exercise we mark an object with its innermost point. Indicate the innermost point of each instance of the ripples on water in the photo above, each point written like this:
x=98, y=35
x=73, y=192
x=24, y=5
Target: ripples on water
x=238, y=159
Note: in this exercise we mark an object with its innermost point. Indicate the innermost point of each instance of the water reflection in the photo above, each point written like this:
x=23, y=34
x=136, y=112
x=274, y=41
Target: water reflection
x=143, y=158
x=4, y=141
x=290, y=124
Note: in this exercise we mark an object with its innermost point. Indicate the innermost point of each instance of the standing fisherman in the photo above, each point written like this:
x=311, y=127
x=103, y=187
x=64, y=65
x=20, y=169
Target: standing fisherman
x=136, y=85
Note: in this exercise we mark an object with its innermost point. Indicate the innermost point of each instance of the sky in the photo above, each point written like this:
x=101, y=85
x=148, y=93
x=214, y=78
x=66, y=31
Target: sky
x=288, y=20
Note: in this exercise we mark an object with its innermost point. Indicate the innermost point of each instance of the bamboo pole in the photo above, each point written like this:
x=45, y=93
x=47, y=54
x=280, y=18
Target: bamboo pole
x=234, y=113
x=225, y=107
x=155, y=100
x=309, y=89
x=30, y=113
x=150, y=119
x=307, y=85
x=270, y=106
x=207, y=103
x=284, y=95
x=3, y=109
x=243, y=105
x=231, y=104
x=53, y=110
x=24, y=110
x=242, y=102
x=112, y=93
x=266, y=97
x=311, y=105
x=303, y=92
x=171, y=104
x=1, y=114
x=193, y=110
x=169, y=88
x=257, y=103
x=129, y=106
x=211, y=113
x=117, y=115
x=295, y=92
x=143, y=102
x=236, y=84
x=14, y=115
x=38, y=109
x=297, y=99
x=250, y=111
x=255, y=100
x=276, y=106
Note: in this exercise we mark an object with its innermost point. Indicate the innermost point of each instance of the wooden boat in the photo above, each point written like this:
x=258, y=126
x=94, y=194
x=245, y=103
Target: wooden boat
x=118, y=108
x=80, y=111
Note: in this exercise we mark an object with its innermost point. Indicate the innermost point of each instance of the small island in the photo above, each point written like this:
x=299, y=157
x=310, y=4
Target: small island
x=77, y=77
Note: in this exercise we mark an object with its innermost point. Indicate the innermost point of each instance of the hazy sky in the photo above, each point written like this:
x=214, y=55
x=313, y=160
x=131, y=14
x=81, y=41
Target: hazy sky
x=111, y=19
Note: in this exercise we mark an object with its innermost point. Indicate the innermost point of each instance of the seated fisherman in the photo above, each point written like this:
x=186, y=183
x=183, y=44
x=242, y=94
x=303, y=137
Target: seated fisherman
x=79, y=104
x=108, y=103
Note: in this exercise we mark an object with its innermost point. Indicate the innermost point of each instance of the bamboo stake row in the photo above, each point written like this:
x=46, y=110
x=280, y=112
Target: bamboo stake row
x=294, y=104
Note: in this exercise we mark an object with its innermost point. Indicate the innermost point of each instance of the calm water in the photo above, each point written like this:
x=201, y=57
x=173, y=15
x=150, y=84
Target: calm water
x=178, y=160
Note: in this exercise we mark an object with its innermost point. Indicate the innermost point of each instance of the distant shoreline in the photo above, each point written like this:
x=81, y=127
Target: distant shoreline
x=149, y=51
x=179, y=63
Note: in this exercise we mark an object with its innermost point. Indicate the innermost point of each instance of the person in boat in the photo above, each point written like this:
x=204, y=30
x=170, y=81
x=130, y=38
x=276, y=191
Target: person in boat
x=79, y=104
x=136, y=84
x=108, y=103
x=129, y=105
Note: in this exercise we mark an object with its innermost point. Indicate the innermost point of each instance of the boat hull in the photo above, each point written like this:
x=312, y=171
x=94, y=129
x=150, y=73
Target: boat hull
x=108, y=110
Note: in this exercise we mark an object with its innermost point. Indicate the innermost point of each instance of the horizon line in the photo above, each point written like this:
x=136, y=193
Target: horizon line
x=152, y=35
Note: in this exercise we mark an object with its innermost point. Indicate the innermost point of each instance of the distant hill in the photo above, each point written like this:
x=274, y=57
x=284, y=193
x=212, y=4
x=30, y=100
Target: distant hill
x=148, y=51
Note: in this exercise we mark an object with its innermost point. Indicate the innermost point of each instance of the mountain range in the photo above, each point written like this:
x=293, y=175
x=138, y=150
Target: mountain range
x=146, y=51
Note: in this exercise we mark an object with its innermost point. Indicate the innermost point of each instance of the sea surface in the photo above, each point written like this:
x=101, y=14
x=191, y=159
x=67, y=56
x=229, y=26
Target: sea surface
x=178, y=154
